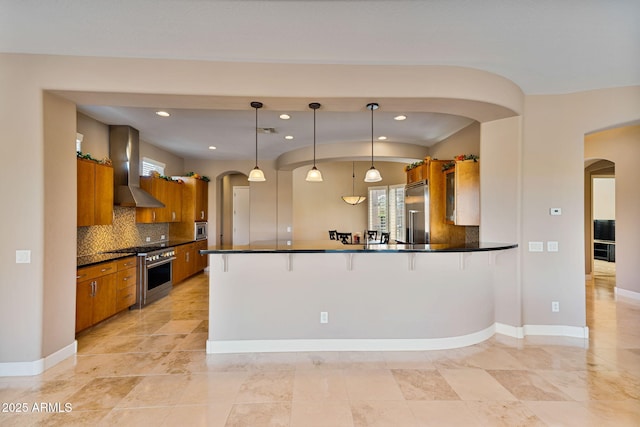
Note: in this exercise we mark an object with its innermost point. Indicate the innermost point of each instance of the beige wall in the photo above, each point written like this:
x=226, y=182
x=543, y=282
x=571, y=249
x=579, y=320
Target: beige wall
x=318, y=207
x=95, y=139
x=552, y=163
x=622, y=146
x=465, y=141
x=59, y=224
x=554, y=131
x=174, y=165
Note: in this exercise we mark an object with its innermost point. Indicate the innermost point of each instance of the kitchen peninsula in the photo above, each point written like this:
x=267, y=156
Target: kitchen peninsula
x=323, y=296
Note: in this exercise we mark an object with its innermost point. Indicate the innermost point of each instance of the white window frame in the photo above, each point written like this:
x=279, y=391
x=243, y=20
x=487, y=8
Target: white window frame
x=148, y=165
x=394, y=221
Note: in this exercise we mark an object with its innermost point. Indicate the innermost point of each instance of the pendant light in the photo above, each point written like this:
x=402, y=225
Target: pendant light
x=373, y=175
x=256, y=175
x=353, y=199
x=314, y=174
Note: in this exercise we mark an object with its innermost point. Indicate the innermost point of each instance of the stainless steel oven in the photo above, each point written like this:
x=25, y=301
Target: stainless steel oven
x=155, y=272
x=155, y=269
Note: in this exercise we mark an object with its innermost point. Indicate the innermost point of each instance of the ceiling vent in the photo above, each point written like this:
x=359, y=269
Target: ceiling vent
x=267, y=130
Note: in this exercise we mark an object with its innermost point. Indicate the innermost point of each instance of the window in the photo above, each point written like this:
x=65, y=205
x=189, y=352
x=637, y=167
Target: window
x=386, y=210
x=150, y=165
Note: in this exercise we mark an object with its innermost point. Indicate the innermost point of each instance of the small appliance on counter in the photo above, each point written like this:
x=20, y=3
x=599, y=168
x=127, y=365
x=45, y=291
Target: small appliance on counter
x=200, y=231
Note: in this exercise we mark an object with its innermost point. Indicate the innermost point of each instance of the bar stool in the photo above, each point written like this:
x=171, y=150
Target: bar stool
x=345, y=238
x=371, y=234
x=333, y=234
x=384, y=238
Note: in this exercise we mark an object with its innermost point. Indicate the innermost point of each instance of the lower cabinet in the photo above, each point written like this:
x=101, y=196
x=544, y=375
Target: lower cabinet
x=104, y=289
x=189, y=261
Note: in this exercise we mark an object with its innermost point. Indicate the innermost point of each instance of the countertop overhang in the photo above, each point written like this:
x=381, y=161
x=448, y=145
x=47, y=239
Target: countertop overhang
x=336, y=247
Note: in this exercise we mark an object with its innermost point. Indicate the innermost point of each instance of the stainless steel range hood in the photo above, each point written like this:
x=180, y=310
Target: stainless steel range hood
x=124, y=150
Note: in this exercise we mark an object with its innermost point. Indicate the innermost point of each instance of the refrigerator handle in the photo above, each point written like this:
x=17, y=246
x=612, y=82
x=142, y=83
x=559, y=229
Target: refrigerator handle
x=411, y=226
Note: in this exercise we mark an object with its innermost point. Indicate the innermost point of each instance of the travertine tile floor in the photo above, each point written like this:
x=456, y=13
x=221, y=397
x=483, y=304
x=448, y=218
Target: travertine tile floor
x=149, y=368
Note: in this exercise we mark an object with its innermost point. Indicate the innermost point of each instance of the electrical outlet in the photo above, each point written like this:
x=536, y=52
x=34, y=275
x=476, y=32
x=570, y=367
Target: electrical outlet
x=552, y=246
x=555, y=211
x=555, y=306
x=324, y=317
x=536, y=247
x=147, y=239
x=162, y=237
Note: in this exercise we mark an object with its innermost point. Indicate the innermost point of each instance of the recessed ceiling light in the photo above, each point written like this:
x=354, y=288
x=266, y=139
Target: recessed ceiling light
x=400, y=117
x=285, y=116
x=211, y=147
x=163, y=113
x=288, y=137
x=382, y=138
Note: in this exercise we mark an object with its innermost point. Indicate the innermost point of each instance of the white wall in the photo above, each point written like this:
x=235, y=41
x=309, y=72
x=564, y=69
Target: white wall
x=604, y=198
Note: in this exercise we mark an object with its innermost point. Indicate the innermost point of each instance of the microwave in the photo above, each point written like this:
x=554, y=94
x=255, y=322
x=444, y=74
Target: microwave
x=200, y=231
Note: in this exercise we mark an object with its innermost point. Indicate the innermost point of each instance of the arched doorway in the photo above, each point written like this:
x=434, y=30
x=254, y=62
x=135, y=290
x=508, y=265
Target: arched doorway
x=226, y=183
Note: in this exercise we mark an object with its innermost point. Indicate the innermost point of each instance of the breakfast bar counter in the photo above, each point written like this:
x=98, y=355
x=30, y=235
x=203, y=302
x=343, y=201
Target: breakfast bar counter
x=325, y=296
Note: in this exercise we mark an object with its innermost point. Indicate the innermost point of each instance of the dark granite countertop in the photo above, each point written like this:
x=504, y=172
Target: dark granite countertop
x=336, y=247
x=87, y=260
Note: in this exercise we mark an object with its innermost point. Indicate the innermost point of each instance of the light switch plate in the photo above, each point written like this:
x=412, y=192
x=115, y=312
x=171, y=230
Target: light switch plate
x=536, y=247
x=23, y=257
x=555, y=211
x=552, y=246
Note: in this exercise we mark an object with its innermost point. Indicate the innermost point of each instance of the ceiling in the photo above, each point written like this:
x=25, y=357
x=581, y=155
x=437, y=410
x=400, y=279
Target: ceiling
x=542, y=46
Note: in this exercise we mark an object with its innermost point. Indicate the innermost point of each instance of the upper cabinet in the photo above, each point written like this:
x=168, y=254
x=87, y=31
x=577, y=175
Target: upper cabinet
x=169, y=193
x=462, y=188
x=95, y=193
x=195, y=199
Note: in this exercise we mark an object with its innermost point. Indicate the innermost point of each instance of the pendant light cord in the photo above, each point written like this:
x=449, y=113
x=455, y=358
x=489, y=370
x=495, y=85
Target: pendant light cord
x=314, y=137
x=372, y=135
x=353, y=180
x=256, y=136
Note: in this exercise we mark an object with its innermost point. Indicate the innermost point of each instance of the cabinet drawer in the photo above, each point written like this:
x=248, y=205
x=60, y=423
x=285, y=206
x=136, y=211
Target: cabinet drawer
x=126, y=263
x=95, y=271
x=125, y=298
x=126, y=278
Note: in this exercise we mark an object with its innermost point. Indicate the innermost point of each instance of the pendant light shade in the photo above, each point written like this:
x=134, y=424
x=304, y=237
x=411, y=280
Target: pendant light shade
x=372, y=175
x=314, y=175
x=256, y=175
x=353, y=199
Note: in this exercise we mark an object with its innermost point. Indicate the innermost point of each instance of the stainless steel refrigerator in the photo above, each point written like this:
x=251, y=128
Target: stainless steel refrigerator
x=417, y=211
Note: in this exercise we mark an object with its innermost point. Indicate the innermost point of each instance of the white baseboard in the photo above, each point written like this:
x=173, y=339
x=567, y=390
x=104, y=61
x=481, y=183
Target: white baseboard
x=627, y=294
x=557, y=331
x=19, y=369
x=510, y=331
x=269, y=346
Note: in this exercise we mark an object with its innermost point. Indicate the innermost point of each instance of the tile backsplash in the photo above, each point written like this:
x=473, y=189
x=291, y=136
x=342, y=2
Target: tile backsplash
x=123, y=233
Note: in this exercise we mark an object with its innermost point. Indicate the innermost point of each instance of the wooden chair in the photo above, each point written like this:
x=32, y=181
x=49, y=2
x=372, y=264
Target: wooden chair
x=333, y=234
x=345, y=238
x=371, y=234
x=384, y=238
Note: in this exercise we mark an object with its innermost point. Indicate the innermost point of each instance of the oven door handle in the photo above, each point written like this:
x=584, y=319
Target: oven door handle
x=164, y=261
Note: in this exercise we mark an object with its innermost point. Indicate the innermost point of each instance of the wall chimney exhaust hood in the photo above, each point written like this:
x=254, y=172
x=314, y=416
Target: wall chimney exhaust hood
x=124, y=150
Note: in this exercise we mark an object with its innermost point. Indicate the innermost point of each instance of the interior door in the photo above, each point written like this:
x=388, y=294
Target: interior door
x=240, y=215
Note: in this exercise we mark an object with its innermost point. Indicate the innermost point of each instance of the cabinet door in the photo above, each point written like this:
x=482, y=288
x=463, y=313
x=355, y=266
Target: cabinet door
x=175, y=202
x=103, y=195
x=84, y=304
x=104, y=301
x=86, y=192
x=450, y=196
x=180, y=264
x=202, y=196
x=203, y=260
x=467, y=182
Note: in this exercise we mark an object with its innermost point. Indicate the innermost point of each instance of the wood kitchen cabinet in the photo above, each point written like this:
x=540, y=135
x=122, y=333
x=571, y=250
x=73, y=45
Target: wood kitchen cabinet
x=95, y=294
x=95, y=193
x=195, y=199
x=189, y=261
x=462, y=188
x=103, y=290
x=169, y=193
x=126, y=280
x=202, y=260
